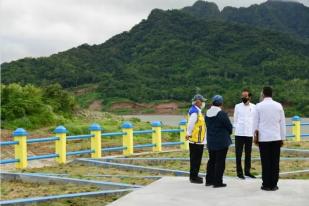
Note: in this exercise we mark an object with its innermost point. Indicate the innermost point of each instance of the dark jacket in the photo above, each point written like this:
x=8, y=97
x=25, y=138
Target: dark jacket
x=219, y=129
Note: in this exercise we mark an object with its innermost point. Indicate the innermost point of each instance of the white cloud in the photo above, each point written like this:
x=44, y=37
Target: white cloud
x=32, y=28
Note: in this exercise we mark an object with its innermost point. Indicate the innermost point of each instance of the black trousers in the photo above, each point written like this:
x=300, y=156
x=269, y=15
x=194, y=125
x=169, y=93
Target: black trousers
x=216, y=166
x=270, y=158
x=196, y=153
x=240, y=143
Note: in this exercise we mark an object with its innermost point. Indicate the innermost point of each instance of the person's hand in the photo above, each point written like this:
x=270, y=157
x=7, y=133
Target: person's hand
x=256, y=137
x=281, y=143
x=188, y=137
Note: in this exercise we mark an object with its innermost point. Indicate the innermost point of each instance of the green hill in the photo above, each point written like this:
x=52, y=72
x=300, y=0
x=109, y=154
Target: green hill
x=171, y=54
x=283, y=16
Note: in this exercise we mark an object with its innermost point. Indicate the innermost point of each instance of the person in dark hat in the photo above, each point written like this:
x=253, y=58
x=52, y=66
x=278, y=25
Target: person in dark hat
x=196, y=136
x=219, y=129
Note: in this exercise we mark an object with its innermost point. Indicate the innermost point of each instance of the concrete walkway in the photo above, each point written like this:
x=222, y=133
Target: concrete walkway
x=178, y=191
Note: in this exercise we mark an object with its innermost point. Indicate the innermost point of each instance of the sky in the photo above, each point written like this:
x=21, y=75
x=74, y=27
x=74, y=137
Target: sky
x=34, y=28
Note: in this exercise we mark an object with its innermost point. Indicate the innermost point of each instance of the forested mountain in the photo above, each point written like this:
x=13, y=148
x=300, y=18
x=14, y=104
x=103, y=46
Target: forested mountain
x=171, y=53
x=284, y=16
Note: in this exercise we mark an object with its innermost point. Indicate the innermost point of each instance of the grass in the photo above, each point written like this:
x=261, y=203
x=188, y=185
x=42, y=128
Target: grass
x=86, y=99
x=18, y=189
x=81, y=201
x=85, y=171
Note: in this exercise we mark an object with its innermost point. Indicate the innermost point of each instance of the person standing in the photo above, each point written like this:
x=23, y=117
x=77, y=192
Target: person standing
x=243, y=123
x=270, y=132
x=196, y=136
x=219, y=129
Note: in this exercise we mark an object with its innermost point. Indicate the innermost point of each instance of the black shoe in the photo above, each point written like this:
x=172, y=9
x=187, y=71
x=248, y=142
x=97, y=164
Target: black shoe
x=196, y=180
x=219, y=185
x=275, y=188
x=241, y=176
x=250, y=175
x=266, y=188
x=198, y=177
x=208, y=184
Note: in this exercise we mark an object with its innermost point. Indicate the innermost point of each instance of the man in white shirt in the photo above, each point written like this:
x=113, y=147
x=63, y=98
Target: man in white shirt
x=270, y=132
x=196, y=133
x=243, y=123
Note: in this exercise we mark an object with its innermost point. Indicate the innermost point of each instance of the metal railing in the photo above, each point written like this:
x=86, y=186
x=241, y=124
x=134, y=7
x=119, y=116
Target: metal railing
x=61, y=139
x=20, y=141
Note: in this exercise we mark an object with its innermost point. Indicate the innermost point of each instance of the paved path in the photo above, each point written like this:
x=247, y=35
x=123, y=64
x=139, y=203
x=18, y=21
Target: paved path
x=177, y=191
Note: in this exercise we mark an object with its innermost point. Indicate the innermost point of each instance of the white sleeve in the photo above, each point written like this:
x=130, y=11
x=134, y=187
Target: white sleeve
x=256, y=120
x=282, y=125
x=235, y=116
x=191, y=123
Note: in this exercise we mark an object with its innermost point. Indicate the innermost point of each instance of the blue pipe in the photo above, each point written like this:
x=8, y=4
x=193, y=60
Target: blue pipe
x=38, y=157
x=172, y=130
x=8, y=143
x=143, y=145
x=143, y=132
x=111, y=134
x=44, y=139
x=7, y=161
x=80, y=152
x=171, y=143
x=75, y=137
x=290, y=135
x=111, y=149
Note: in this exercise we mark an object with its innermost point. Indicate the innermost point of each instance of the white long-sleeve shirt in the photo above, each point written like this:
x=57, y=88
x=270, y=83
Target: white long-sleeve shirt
x=243, y=119
x=191, y=123
x=269, y=120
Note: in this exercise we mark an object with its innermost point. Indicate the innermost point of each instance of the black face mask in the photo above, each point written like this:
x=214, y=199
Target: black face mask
x=244, y=100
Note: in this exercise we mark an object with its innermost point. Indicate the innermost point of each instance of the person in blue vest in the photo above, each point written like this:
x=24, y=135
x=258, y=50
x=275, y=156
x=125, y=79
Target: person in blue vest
x=196, y=136
x=219, y=130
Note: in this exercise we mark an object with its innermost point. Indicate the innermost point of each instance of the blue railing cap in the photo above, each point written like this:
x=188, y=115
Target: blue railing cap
x=60, y=129
x=20, y=132
x=127, y=125
x=156, y=124
x=183, y=122
x=296, y=118
x=95, y=127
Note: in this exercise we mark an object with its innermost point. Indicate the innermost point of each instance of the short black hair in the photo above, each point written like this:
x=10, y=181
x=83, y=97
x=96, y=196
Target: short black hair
x=267, y=92
x=247, y=90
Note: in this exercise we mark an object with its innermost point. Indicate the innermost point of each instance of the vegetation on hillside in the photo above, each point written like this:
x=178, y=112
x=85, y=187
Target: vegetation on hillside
x=169, y=55
x=31, y=107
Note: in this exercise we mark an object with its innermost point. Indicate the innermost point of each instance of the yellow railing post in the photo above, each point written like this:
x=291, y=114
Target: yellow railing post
x=183, y=132
x=96, y=142
x=61, y=149
x=296, y=128
x=20, y=135
x=156, y=136
x=127, y=138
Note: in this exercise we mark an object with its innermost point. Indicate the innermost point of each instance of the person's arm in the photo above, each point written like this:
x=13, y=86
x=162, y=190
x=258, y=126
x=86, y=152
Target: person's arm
x=282, y=125
x=256, y=120
x=191, y=123
x=235, y=117
x=226, y=122
x=255, y=127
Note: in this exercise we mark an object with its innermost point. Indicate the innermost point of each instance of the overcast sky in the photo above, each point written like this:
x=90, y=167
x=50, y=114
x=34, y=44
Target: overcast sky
x=33, y=28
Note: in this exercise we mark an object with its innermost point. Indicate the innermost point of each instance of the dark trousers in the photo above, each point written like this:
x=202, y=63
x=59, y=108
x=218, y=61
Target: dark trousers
x=240, y=143
x=216, y=166
x=196, y=153
x=270, y=158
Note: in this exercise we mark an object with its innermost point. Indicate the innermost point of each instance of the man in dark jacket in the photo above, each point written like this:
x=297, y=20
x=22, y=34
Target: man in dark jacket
x=219, y=129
